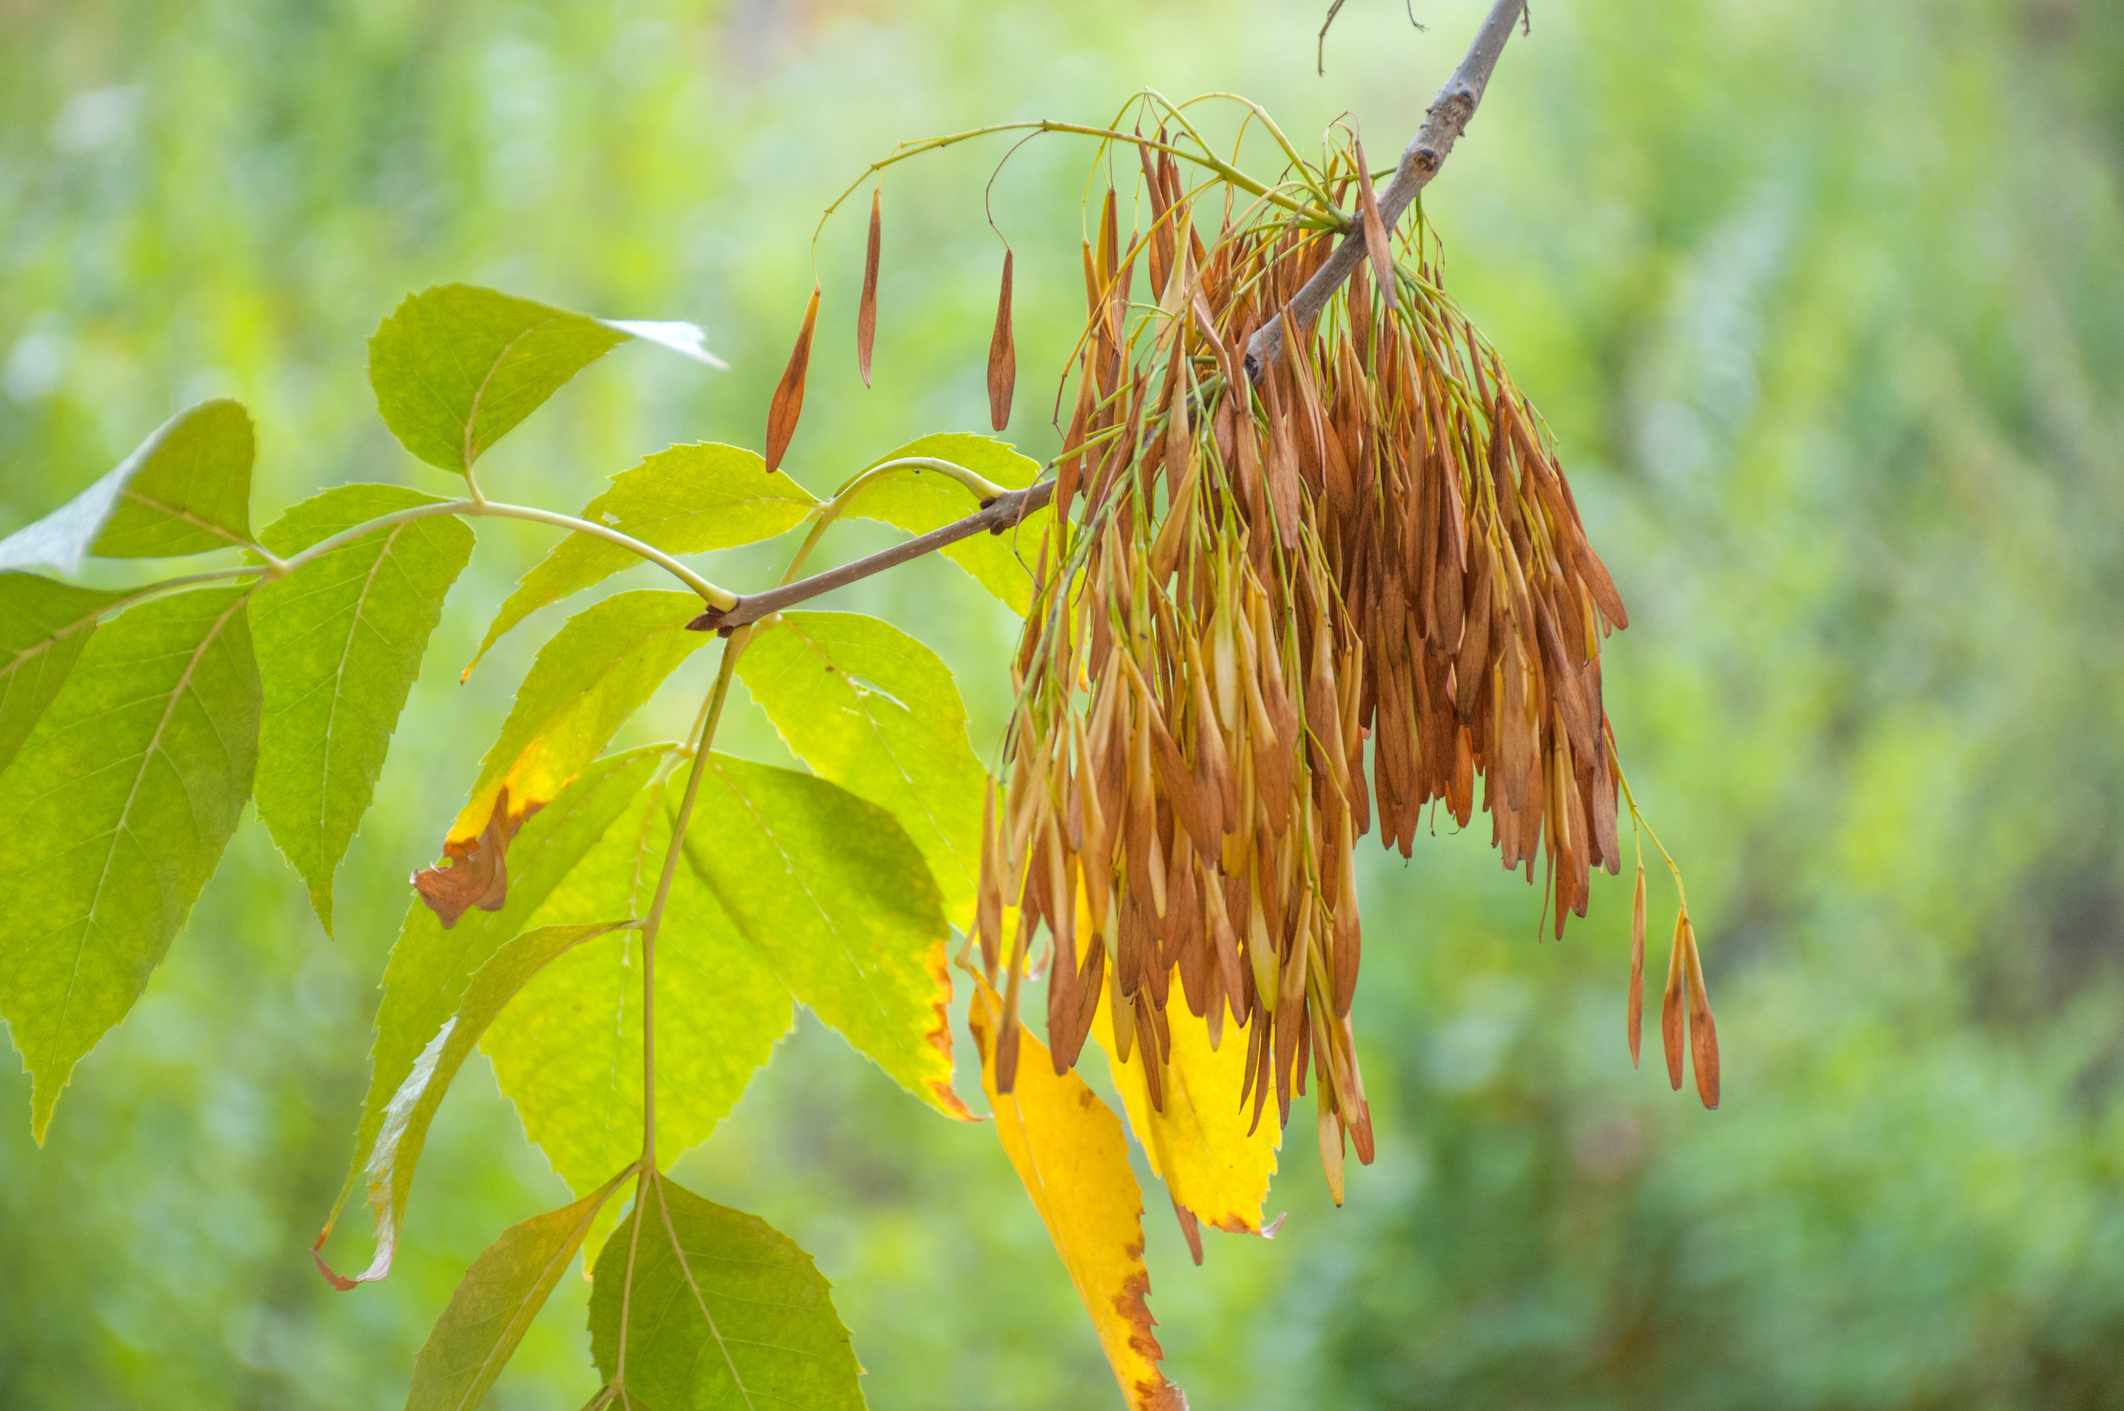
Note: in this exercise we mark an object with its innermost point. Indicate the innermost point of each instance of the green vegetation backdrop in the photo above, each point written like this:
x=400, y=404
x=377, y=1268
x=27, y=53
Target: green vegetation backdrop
x=1827, y=310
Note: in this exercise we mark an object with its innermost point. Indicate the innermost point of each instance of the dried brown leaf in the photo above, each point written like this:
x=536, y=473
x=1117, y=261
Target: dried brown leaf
x=478, y=874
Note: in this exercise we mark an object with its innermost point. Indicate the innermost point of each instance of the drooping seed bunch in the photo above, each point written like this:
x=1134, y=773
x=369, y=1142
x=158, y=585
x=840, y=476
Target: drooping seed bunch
x=1250, y=577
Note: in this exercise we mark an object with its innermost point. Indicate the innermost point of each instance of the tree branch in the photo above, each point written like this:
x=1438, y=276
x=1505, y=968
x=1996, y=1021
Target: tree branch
x=1444, y=121
x=1001, y=513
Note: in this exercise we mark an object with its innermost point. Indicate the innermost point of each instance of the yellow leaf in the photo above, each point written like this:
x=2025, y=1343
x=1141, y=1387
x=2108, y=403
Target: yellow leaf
x=1199, y=1145
x=1068, y=1149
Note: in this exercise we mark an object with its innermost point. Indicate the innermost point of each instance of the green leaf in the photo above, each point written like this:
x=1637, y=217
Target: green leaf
x=500, y=1294
x=117, y=810
x=455, y=367
x=339, y=644
x=570, y=1056
x=837, y=898
x=43, y=627
x=185, y=490
x=723, y=1310
x=388, y=1175
x=1001, y=563
x=878, y=713
x=430, y=969
x=598, y=670
x=684, y=500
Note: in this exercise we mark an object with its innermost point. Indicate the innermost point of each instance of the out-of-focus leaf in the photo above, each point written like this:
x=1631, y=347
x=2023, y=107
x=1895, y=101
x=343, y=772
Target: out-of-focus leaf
x=570, y=1054
x=1001, y=563
x=339, y=644
x=500, y=1294
x=388, y=1176
x=43, y=627
x=1068, y=1149
x=875, y=711
x=836, y=897
x=456, y=366
x=723, y=1310
x=116, y=811
x=430, y=968
x=185, y=490
x=684, y=499
x=598, y=670
x=1198, y=1143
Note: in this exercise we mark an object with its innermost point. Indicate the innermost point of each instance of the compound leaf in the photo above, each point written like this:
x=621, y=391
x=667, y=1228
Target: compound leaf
x=456, y=367
x=724, y=1311
x=830, y=890
x=43, y=627
x=685, y=499
x=1001, y=563
x=388, y=1175
x=117, y=810
x=500, y=1294
x=430, y=968
x=339, y=643
x=185, y=490
x=1068, y=1149
x=878, y=713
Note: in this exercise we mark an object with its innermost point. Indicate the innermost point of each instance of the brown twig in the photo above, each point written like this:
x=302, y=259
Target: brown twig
x=997, y=515
x=1444, y=121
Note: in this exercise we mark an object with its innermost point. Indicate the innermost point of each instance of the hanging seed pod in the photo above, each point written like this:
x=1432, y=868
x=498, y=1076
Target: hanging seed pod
x=1703, y=1034
x=1375, y=231
x=1367, y=543
x=1634, y=1024
x=867, y=310
x=787, y=403
x=1002, y=356
x=1670, y=1011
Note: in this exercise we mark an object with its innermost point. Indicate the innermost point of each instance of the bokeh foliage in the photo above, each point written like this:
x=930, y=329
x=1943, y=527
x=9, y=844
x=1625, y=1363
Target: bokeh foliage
x=1828, y=315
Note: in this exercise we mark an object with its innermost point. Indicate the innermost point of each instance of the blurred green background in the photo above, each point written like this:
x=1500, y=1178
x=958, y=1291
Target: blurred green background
x=1827, y=309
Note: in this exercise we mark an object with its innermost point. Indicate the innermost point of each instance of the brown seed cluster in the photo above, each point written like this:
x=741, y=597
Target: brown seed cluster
x=1248, y=581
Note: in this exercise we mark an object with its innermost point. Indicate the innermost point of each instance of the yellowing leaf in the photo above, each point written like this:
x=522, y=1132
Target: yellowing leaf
x=598, y=670
x=1068, y=1149
x=431, y=969
x=1198, y=1145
